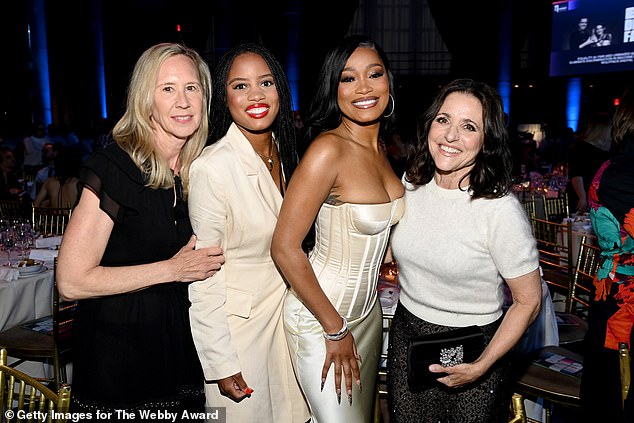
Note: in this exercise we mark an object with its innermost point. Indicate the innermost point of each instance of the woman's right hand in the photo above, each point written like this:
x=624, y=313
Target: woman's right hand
x=234, y=387
x=193, y=264
x=343, y=355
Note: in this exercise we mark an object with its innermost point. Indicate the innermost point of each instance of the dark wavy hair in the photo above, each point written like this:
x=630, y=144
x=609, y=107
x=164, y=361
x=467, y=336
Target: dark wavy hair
x=623, y=123
x=491, y=174
x=324, y=113
x=283, y=126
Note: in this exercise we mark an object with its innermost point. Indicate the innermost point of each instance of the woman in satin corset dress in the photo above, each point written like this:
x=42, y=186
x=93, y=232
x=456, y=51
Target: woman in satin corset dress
x=345, y=186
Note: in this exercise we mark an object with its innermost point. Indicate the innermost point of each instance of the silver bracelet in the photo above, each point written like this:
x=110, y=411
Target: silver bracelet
x=339, y=335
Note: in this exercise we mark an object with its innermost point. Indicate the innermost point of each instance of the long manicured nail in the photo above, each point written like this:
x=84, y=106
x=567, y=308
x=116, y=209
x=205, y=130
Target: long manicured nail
x=339, y=396
x=359, y=385
x=323, y=381
x=350, y=397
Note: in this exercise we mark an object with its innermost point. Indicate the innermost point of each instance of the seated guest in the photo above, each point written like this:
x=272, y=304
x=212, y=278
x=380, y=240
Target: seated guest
x=60, y=190
x=9, y=185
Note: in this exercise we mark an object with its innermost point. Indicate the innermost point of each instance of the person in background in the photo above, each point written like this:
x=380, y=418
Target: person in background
x=332, y=316
x=30, y=149
x=60, y=190
x=464, y=234
x=397, y=152
x=49, y=151
x=237, y=187
x=128, y=251
x=9, y=186
x=611, y=315
x=580, y=35
x=585, y=158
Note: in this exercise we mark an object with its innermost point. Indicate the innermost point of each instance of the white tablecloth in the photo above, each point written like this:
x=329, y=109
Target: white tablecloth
x=25, y=299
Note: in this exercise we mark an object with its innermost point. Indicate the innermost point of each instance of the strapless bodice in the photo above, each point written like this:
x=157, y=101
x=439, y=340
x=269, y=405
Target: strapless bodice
x=350, y=241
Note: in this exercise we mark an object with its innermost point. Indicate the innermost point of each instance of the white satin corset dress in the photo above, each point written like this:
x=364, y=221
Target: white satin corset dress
x=350, y=241
x=349, y=246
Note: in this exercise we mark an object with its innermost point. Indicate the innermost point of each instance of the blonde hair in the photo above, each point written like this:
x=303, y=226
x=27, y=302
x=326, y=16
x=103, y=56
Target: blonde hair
x=133, y=132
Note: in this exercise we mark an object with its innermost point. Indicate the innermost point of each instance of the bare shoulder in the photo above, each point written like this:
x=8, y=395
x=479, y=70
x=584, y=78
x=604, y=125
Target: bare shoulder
x=327, y=144
x=324, y=154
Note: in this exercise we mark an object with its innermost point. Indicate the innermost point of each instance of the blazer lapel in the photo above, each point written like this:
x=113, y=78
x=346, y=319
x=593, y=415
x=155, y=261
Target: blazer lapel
x=256, y=170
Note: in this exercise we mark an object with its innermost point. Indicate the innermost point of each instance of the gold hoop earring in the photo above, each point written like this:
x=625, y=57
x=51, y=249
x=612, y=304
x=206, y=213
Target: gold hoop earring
x=393, y=107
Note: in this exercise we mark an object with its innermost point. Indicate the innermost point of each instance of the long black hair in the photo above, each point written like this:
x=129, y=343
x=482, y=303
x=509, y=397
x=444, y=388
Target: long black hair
x=283, y=126
x=491, y=174
x=324, y=113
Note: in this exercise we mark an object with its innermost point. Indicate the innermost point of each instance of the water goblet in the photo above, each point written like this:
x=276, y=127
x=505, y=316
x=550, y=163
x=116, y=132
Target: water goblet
x=8, y=242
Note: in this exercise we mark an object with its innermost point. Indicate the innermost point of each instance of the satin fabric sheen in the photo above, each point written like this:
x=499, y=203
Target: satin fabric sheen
x=349, y=246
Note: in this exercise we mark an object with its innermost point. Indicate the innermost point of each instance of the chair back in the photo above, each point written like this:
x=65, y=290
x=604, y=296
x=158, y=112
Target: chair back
x=50, y=221
x=556, y=209
x=582, y=282
x=20, y=392
x=12, y=209
x=530, y=207
x=63, y=317
x=554, y=241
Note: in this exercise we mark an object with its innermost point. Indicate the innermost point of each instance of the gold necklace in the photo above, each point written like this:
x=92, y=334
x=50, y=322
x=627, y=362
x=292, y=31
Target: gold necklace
x=268, y=160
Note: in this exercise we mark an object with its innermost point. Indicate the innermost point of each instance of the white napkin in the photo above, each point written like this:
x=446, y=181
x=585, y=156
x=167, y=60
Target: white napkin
x=45, y=255
x=9, y=274
x=48, y=242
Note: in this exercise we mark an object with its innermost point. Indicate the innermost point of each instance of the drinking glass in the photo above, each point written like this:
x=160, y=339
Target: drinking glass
x=24, y=234
x=8, y=239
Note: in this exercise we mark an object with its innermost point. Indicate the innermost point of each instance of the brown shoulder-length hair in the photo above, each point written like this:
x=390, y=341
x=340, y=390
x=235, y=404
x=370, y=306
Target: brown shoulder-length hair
x=134, y=133
x=491, y=174
x=623, y=123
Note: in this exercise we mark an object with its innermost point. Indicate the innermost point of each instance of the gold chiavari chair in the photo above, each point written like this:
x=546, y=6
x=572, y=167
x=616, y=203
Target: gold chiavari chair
x=13, y=209
x=50, y=221
x=554, y=242
x=585, y=270
x=556, y=209
x=535, y=381
x=624, y=366
x=530, y=207
x=518, y=410
x=21, y=393
x=572, y=322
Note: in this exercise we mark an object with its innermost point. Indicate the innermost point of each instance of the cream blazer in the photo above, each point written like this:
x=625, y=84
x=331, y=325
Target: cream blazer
x=236, y=315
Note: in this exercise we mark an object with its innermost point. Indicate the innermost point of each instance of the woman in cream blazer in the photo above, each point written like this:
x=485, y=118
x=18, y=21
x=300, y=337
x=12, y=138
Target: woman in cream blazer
x=236, y=192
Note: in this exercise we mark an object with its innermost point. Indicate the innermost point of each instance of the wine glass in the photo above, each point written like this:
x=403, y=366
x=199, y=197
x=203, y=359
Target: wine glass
x=24, y=234
x=8, y=239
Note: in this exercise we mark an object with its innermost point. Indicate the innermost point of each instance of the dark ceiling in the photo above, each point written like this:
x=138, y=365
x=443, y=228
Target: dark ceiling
x=471, y=30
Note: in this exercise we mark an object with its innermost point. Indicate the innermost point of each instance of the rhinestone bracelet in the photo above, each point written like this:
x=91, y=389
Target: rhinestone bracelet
x=339, y=335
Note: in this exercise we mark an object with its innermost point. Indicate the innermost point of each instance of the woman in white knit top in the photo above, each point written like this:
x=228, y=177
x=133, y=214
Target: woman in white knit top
x=462, y=236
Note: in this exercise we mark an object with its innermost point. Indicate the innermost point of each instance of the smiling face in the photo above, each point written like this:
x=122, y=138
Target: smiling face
x=455, y=138
x=178, y=99
x=363, y=92
x=252, y=96
x=583, y=24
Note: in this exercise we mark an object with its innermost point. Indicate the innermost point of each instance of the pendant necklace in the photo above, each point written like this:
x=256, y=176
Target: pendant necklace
x=268, y=160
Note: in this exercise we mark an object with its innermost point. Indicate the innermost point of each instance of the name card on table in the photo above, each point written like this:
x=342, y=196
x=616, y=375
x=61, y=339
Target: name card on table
x=45, y=255
x=48, y=242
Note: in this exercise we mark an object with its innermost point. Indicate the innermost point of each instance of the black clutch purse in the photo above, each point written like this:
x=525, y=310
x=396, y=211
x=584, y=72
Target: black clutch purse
x=462, y=345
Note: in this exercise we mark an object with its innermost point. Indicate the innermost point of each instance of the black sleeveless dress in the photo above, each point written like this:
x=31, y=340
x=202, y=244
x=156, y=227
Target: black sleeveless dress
x=135, y=351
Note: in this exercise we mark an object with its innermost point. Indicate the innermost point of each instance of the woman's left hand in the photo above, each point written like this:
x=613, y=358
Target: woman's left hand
x=344, y=357
x=459, y=375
